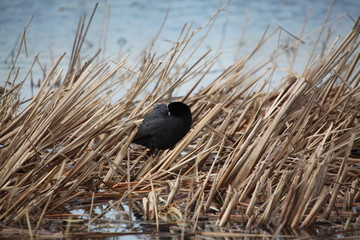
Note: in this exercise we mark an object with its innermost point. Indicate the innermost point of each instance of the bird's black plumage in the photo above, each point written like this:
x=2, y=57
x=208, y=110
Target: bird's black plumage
x=164, y=126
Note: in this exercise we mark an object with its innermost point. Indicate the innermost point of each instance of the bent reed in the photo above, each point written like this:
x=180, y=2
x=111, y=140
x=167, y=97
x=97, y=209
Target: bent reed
x=288, y=157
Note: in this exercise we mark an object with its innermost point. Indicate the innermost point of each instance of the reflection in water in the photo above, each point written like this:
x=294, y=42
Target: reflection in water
x=127, y=220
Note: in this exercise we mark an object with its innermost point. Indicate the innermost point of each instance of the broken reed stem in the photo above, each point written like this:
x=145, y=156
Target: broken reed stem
x=282, y=158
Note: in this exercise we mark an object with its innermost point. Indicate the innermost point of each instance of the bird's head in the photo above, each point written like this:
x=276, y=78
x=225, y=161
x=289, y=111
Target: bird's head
x=179, y=109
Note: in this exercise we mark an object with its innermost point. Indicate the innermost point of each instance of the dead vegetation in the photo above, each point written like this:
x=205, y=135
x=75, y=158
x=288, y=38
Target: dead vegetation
x=288, y=157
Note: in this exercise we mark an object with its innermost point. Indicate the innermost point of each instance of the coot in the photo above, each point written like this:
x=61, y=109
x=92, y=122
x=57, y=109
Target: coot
x=164, y=126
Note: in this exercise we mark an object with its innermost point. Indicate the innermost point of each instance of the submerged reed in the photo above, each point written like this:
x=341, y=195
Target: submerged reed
x=284, y=158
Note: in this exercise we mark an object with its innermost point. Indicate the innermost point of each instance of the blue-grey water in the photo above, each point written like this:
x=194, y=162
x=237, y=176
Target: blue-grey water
x=125, y=28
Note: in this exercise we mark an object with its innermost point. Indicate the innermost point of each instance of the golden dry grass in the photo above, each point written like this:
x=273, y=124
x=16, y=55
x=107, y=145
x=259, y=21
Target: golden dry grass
x=284, y=158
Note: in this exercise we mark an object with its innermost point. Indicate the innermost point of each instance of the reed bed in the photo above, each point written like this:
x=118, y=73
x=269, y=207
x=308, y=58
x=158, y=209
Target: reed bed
x=286, y=157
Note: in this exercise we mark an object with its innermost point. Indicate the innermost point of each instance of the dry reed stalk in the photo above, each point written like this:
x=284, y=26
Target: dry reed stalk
x=283, y=158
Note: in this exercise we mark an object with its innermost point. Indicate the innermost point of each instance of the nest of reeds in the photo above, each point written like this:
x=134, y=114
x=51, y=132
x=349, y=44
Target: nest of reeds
x=285, y=158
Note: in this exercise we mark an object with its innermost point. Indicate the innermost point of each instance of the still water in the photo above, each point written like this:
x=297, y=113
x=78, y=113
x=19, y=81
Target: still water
x=125, y=28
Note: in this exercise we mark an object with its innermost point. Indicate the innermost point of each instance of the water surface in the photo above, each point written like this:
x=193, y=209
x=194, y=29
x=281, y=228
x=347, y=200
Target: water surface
x=125, y=28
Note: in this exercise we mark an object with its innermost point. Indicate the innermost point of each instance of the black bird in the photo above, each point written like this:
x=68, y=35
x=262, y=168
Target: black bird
x=164, y=126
